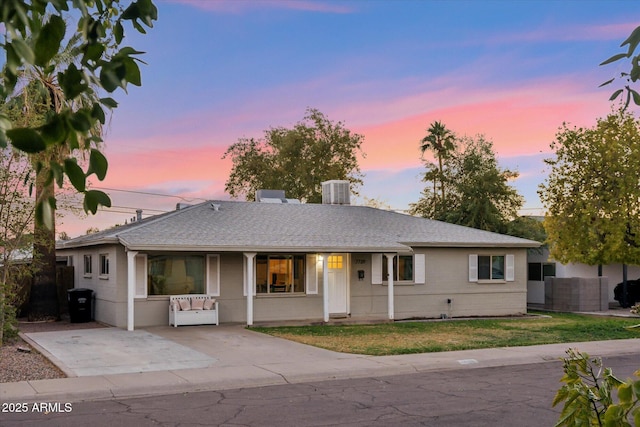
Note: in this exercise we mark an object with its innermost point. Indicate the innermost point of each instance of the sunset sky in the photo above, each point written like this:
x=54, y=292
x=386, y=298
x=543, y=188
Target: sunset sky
x=222, y=70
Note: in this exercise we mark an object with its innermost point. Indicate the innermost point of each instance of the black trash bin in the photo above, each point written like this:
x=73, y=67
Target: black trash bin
x=80, y=300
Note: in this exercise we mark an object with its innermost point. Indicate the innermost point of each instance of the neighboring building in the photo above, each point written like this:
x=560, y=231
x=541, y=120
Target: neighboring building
x=541, y=266
x=279, y=260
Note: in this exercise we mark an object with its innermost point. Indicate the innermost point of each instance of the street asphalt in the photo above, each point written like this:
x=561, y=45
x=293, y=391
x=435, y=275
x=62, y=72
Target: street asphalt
x=109, y=362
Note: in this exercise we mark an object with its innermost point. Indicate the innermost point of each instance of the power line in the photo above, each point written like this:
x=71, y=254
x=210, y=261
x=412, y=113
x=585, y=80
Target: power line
x=134, y=209
x=186, y=199
x=114, y=209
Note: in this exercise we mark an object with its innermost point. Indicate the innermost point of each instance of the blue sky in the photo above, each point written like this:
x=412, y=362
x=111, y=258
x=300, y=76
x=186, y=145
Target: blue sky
x=221, y=70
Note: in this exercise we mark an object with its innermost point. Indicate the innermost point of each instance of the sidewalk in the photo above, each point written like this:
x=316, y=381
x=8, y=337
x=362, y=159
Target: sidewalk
x=228, y=357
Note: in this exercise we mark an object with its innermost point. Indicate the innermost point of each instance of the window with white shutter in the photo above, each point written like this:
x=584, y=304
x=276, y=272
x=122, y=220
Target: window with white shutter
x=491, y=268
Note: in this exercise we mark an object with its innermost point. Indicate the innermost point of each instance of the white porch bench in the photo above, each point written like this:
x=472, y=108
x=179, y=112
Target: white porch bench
x=189, y=310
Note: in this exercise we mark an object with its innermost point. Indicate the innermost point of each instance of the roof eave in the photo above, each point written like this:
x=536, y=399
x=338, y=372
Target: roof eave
x=267, y=248
x=403, y=247
x=528, y=244
x=73, y=245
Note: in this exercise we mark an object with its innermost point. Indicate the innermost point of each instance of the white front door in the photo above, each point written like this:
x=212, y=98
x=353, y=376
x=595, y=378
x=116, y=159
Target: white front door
x=338, y=290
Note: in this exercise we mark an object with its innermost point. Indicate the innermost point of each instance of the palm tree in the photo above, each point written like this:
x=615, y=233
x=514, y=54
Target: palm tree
x=441, y=141
x=39, y=95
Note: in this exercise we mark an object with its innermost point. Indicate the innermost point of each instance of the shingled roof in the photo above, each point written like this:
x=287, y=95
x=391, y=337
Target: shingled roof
x=251, y=226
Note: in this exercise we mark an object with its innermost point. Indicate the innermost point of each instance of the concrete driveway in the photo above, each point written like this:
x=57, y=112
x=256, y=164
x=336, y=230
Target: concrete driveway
x=105, y=351
x=90, y=352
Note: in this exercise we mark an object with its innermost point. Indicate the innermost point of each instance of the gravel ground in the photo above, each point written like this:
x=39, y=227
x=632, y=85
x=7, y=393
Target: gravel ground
x=18, y=365
x=20, y=362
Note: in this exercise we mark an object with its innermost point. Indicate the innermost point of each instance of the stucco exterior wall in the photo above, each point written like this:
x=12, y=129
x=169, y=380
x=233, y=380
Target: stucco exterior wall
x=446, y=271
x=447, y=278
x=108, y=289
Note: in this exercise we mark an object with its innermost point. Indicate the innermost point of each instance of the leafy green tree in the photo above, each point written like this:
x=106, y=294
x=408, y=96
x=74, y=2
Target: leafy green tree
x=527, y=228
x=478, y=190
x=34, y=31
x=39, y=96
x=628, y=77
x=295, y=160
x=482, y=197
x=442, y=142
x=16, y=236
x=592, y=193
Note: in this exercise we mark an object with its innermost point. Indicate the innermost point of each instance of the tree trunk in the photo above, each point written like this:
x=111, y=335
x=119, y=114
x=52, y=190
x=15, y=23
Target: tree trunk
x=43, y=301
x=441, y=178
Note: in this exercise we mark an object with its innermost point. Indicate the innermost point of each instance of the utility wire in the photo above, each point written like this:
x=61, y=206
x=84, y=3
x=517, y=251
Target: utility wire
x=134, y=209
x=186, y=199
x=114, y=209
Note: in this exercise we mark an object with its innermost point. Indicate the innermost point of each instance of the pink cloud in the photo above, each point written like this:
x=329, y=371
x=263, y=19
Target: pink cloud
x=519, y=122
x=230, y=6
x=152, y=168
x=566, y=33
x=609, y=31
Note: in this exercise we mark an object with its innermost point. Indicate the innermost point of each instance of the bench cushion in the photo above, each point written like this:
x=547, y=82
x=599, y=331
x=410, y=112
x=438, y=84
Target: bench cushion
x=185, y=304
x=197, y=304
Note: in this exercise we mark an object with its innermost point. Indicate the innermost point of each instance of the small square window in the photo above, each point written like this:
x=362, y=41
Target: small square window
x=334, y=261
x=402, y=268
x=535, y=271
x=539, y=271
x=490, y=267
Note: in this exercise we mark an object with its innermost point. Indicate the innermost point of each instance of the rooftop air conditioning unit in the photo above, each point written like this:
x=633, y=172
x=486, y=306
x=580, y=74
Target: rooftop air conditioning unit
x=336, y=192
x=269, y=196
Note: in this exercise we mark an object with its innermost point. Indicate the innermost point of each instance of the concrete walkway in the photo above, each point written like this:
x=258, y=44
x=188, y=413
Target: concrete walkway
x=107, y=363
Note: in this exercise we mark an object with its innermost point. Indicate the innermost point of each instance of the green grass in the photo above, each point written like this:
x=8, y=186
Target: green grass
x=435, y=336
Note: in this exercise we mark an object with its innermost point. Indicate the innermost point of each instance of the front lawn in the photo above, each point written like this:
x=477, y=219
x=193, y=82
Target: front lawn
x=434, y=336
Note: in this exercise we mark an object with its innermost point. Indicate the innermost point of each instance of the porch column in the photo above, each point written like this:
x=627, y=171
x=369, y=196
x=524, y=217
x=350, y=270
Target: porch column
x=325, y=287
x=390, y=283
x=249, y=277
x=131, y=287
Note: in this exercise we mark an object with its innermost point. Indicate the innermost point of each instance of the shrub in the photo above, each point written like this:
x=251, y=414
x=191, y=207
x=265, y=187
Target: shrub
x=10, y=329
x=587, y=394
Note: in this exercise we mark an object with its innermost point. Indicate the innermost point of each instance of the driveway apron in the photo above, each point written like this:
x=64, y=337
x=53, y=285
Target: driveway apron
x=103, y=351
